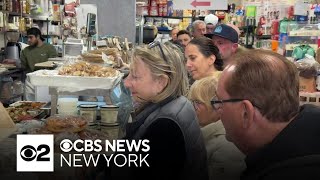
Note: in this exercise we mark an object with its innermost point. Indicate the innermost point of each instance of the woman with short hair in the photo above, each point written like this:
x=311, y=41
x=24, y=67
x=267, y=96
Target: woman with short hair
x=158, y=82
x=225, y=161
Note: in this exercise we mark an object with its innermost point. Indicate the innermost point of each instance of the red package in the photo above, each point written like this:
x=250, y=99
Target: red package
x=153, y=11
x=70, y=9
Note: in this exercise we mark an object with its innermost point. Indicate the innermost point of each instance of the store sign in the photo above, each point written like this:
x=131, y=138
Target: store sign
x=200, y=4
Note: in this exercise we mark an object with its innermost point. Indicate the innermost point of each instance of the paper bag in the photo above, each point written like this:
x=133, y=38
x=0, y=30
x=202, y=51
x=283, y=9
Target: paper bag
x=7, y=126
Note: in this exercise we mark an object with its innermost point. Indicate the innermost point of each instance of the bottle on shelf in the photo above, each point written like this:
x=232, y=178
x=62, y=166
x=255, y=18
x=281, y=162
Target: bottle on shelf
x=9, y=6
x=28, y=6
x=24, y=6
x=18, y=7
x=22, y=25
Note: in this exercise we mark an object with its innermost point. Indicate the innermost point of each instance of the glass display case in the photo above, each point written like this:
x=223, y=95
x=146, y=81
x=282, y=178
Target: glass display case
x=301, y=35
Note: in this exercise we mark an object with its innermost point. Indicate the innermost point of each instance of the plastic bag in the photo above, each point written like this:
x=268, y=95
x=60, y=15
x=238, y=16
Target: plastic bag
x=308, y=67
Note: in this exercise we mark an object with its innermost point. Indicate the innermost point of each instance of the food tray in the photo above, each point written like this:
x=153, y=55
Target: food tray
x=19, y=103
x=7, y=66
x=25, y=110
x=52, y=79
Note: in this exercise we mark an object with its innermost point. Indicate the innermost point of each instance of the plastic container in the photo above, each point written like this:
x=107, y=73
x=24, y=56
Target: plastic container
x=68, y=106
x=109, y=114
x=89, y=111
x=112, y=131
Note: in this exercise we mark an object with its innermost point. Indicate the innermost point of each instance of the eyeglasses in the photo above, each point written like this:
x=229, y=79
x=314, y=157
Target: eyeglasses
x=217, y=104
x=157, y=43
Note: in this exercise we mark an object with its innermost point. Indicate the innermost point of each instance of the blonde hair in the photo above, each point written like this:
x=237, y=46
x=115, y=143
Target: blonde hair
x=204, y=90
x=173, y=69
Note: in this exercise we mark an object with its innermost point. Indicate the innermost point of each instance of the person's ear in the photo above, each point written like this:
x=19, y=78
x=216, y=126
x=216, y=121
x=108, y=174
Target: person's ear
x=247, y=114
x=162, y=82
x=234, y=47
x=212, y=59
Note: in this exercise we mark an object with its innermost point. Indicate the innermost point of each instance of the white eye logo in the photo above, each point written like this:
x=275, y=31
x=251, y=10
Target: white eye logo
x=28, y=153
x=66, y=145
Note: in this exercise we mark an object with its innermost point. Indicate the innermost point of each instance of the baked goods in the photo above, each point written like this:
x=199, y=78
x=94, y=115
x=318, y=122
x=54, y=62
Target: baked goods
x=107, y=51
x=66, y=123
x=92, y=134
x=82, y=68
x=24, y=110
x=29, y=104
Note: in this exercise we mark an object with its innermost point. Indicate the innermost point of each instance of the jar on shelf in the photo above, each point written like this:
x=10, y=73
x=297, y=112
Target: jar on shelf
x=89, y=111
x=28, y=6
x=22, y=25
x=109, y=114
x=9, y=5
x=113, y=131
x=28, y=22
x=24, y=6
x=17, y=87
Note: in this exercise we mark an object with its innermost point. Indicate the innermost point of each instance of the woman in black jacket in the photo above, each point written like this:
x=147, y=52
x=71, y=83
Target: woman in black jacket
x=158, y=82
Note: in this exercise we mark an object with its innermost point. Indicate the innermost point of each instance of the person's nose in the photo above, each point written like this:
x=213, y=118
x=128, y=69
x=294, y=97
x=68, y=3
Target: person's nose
x=188, y=65
x=127, y=82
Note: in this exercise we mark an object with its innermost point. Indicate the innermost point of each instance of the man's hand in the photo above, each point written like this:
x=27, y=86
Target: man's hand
x=9, y=61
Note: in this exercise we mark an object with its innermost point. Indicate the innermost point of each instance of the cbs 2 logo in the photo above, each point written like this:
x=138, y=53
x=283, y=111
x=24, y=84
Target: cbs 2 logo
x=29, y=153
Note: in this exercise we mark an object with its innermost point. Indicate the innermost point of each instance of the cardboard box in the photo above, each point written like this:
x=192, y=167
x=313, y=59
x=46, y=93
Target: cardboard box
x=307, y=85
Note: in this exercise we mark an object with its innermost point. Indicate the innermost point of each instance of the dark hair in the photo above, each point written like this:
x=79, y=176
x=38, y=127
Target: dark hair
x=207, y=48
x=36, y=32
x=184, y=32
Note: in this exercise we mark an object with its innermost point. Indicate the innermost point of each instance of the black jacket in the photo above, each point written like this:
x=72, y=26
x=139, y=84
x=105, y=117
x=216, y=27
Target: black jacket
x=293, y=154
x=177, y=150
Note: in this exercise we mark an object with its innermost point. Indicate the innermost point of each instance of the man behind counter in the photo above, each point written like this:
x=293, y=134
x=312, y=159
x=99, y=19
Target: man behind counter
x=37, y=51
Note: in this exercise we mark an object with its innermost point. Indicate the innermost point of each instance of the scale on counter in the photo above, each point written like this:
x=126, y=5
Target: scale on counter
x=72, y=47
x=91, y=29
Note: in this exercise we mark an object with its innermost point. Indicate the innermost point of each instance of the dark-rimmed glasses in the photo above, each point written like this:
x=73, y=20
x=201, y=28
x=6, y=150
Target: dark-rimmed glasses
x=157, y=43
x=217, y=104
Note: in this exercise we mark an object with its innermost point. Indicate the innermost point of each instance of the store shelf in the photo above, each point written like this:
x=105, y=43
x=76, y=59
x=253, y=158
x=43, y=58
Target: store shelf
x=55, y=21
x=292, y=46
x=304, y=36
x=168, y=17
x=264, y=37
x=16, y=14
x=308, y=33
x=49, y=35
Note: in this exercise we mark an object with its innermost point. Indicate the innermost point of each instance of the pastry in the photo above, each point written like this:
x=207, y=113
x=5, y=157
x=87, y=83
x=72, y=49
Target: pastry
x=66, y=124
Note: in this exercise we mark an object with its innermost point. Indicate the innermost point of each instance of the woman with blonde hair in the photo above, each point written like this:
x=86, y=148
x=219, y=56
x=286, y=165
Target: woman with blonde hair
x=158, y=82
x=225, y=161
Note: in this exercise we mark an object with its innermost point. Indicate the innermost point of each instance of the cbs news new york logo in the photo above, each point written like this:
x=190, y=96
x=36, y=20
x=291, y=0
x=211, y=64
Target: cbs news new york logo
x=35, y=153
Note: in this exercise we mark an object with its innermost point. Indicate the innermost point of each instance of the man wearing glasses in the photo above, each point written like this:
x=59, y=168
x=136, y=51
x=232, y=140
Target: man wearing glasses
x=258, y=100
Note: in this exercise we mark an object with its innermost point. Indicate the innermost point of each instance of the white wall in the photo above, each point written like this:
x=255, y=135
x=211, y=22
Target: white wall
x=115, y=17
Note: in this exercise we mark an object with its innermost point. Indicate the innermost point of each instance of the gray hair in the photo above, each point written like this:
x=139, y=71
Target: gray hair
x=196, y=23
